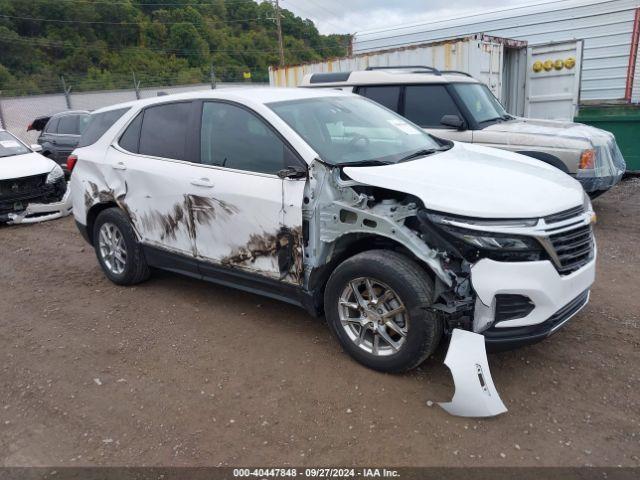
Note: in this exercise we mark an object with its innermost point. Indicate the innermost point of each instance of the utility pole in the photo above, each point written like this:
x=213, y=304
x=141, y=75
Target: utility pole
x=279, y=26
x=213, y=78
x=67, y=91
x=136, y=85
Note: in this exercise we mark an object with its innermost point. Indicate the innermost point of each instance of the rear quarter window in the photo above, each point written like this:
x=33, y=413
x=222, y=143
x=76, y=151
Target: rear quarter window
x=98, y=124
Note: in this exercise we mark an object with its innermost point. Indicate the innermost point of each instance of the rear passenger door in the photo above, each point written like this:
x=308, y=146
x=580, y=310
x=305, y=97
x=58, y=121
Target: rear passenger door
x=154, y=157
x=245, y=216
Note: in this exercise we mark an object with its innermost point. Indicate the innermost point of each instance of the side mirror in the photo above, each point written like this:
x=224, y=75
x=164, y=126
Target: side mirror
x=36, y=147
x=453, y=121
x=293, y=171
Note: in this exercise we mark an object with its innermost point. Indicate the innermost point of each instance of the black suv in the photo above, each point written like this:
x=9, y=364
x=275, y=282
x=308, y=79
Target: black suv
x=60, y=134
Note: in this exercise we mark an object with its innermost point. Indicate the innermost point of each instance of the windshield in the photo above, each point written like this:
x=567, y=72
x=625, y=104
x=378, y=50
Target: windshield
x=480, y=102
x=9, y=145
x=350, y=130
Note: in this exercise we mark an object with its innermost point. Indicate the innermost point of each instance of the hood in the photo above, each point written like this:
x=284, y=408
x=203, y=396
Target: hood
x=527, y=131
x=476, y=181
x=25, y=165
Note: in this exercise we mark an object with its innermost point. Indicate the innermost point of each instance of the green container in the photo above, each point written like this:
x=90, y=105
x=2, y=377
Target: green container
x=621, y=120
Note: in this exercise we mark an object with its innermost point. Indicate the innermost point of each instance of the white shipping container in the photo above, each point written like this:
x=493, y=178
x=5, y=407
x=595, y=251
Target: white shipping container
x=498, y=62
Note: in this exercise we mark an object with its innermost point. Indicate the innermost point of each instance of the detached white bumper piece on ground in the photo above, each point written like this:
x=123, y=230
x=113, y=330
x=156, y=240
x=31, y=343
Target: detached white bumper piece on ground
x=475, y=395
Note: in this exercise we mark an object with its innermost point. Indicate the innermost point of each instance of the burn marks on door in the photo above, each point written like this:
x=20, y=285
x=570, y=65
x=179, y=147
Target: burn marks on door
x=285, y=246
x=186, y=214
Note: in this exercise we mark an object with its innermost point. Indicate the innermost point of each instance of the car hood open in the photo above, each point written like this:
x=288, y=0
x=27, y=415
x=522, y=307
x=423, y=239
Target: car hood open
x=477, y=181
x=24, y=165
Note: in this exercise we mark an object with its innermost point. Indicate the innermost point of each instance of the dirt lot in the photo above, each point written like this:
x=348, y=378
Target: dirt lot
x=181, y=372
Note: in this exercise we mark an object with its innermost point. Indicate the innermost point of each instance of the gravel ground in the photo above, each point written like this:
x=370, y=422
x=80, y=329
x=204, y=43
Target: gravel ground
x=180, y=372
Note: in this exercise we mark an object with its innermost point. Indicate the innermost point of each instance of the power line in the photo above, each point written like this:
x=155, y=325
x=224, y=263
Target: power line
x=161, y=4
x=51, y=43
x=123, y=23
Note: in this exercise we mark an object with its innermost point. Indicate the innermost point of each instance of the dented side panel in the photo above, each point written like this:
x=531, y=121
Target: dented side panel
x=255, y=223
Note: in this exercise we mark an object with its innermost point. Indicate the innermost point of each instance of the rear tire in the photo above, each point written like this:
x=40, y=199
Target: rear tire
x=117, y=248
x=407, y=331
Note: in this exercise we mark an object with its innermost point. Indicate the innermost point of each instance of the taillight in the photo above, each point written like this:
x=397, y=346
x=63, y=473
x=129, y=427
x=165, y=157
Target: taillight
x=587, y=159
x=71, y=162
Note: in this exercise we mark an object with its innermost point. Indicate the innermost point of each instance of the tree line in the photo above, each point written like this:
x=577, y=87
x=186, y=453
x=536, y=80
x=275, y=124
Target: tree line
x=100, y=44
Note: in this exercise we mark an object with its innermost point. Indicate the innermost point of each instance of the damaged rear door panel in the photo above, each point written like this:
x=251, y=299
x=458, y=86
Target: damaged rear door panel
x=158, y=175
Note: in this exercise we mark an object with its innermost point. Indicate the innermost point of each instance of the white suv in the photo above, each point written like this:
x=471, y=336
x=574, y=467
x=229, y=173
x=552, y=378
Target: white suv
x=326, y=200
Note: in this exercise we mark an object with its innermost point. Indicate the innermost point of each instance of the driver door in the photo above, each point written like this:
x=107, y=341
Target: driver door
x=246, y=217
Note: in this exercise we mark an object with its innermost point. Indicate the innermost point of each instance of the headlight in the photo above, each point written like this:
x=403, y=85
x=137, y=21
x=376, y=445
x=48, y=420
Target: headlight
x=474, y=244
x=588, y=160
x=55, y=175
x=492, y=241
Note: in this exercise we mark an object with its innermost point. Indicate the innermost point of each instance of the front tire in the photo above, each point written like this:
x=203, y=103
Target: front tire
x=117, y=248
x=377, y=304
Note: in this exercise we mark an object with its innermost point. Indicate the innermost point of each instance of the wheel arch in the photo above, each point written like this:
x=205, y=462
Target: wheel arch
x=546, y=158
x=348, y=245
x=93, y=213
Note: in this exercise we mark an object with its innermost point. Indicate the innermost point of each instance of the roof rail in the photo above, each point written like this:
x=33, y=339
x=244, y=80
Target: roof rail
x=435, y=71
x=457, y=72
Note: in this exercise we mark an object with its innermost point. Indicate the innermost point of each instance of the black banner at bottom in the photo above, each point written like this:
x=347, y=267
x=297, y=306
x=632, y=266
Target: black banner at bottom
x=343, y=473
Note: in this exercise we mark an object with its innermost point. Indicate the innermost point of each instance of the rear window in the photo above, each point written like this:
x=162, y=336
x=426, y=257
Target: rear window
x=98, y=124
x=164, y=131
x=69, y=125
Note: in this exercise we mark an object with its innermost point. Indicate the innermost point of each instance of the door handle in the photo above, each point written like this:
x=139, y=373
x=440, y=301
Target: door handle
x=54, y=142
x=119, y=166
x=202, y=182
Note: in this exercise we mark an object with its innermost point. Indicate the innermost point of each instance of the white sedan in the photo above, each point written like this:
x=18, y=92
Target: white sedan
x=32, y=187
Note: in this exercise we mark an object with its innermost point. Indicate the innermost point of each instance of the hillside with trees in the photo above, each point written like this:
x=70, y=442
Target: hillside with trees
x=100, y=44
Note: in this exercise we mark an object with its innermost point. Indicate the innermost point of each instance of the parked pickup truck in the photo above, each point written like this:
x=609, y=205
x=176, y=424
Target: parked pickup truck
x=456, y=106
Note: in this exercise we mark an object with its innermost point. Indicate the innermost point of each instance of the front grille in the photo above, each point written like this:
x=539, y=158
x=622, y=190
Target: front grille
x=22, y=188
x=510, y=307
x=17, y=193
x=573, y=248
x=564, y=215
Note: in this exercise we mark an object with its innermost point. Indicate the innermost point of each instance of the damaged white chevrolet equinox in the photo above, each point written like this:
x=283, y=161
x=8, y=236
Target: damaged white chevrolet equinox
x=329, y=201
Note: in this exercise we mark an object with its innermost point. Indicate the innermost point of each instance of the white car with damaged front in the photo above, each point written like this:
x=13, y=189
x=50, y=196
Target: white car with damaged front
x=32, y=187
x=331, y=202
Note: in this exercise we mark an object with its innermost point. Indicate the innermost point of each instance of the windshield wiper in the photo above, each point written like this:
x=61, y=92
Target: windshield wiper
x=420, y=153
x=365, y=163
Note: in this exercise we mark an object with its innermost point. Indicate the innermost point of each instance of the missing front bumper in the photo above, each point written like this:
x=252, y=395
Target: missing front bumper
x=40, y=212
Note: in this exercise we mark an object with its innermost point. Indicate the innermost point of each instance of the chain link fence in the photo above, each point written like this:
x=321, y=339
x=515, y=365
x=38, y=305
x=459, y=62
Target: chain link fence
x=16, y=113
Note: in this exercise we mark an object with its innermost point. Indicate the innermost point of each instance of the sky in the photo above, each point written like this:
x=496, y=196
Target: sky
x=350, y=16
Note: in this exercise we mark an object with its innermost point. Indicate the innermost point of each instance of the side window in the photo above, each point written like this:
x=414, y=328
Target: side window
x=425, y=105
x=235, y=138
x=130, y=139
x=52, y=125
x=164, y=130
x=386, y=96
x=69, y=125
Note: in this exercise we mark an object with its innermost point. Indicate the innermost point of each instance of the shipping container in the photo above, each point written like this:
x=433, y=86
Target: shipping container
x=498, y=62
